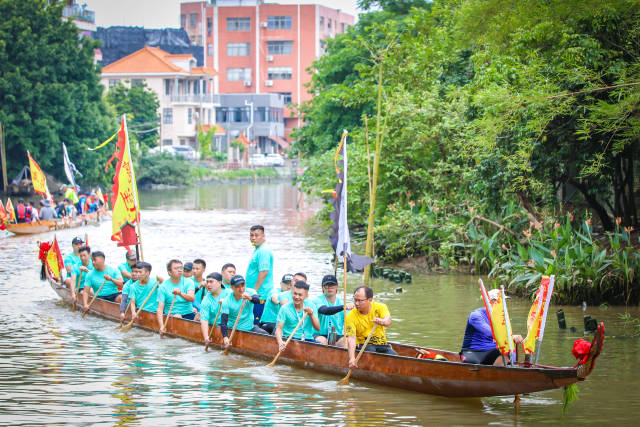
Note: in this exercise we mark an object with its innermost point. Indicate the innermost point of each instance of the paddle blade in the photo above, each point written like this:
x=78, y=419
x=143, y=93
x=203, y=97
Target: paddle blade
x=119, y=326
x=226, y=351
x=126, y=327
x=345, y=380
x=73, y=307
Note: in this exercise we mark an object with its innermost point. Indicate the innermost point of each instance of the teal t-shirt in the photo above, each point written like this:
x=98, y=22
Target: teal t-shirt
x=261, y=260
x=326, y=322
x=231, y=307
x=75, y=271
x=95, y=279
x=210, y=306
x=140, y=293
x=289, y=317
x=271, y=309
x=200, y=294
x=181, y=306
x=127, y=282
x=71, y=260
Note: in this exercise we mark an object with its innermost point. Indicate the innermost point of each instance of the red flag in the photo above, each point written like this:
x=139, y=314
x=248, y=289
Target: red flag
x=4, y=218
x=54, y=261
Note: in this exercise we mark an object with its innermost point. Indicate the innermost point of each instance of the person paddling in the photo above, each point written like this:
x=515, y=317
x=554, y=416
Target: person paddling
x=104, y=276
x=360, y=322
x=260, y=269
x=178, y=288
x=127, y=290
x=141, y=288
x=199, y=267
x=212, y=304
x=291, y=315
x=79, y=272
x=228, y=271
x=72, y=259
x=231, y=309
x=331, y=313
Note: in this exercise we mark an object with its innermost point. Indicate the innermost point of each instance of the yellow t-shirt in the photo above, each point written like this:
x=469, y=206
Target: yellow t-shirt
x=360, y=325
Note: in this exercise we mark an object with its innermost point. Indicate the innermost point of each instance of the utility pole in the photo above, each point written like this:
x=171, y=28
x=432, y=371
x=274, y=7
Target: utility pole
x=3, y=160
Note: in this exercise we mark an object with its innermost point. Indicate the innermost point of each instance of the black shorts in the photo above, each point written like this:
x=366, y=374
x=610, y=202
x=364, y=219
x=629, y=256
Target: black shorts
x=189, y=316
x=111, y=297
x=479, y=357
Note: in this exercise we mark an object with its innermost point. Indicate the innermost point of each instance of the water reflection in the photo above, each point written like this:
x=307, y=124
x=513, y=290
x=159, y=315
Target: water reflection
x=56, y=366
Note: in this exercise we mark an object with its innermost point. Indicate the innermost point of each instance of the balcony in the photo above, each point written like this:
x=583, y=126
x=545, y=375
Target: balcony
x=204, y=98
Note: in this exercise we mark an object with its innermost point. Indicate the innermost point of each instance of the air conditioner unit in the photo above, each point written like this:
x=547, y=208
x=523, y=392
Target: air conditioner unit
x=269, y=58
x=247, y=83
x=264, y=24
x=268, y=83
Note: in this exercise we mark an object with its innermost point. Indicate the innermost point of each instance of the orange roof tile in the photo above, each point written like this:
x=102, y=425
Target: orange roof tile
x=219, y=129
x=146, y=60
x=204, y=70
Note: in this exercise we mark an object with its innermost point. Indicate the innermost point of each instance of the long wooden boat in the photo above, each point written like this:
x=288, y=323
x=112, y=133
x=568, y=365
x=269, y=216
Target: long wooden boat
x=46, y=225
x=446, y=378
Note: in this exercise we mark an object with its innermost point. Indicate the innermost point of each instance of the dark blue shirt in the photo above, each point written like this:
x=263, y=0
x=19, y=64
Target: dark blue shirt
x=478, y=335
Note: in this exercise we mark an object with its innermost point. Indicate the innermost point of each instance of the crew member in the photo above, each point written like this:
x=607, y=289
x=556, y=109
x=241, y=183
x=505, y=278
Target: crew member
x=212, y=303
x=72, y=259
x=228, y=271
x=272, y=306
x=140, y=289
x=291, y=314
x=183, y=288
x=260, y=270
x=100, y=274
x=231, y=309
x=82, y=269
x=331, y=313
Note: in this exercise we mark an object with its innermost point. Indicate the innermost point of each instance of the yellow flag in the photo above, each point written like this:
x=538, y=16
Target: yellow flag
x=537, y=315
x=11, y=212
x=501, y=325
x=38, y=179
x=124, y=200
x=54, y=260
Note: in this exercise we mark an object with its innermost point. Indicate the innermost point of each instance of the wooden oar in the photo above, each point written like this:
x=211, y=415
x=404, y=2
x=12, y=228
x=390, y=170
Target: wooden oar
x=130, y=324
x=233, y=331
x=125, y=314
x=94, y=298
x=73, y=306
x=345, y=380
x=164, y=326
x=273, y=362
x=206, y=347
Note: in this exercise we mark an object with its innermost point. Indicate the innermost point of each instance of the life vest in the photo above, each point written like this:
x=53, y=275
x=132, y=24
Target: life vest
x=28, y=213
x=21, y=212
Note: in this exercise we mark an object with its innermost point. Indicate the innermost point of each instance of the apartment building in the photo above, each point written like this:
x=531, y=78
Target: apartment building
x=262, y=48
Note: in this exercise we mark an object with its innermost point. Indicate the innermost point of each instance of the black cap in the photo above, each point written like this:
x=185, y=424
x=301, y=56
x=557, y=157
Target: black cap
x=237, y=280
x=216, y=276
x=77, y=241
x=329, y=279
x=287, y=278
x=188, y=266
x=131, y=256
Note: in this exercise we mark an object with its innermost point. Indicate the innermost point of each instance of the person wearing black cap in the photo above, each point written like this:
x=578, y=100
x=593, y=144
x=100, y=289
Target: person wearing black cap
x=73, y=259
x=187, y=270
x=331, y=313
x=231, y=308
x=272, y=306
x=212, y=303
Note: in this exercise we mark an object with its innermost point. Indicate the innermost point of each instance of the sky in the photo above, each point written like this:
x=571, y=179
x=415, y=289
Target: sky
x=166, y=13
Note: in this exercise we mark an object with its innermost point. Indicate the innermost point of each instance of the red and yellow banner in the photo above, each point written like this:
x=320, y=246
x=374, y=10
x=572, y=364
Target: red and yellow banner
x=54, y=261
x=537, y=315
x=4, y=218
x=501, y=325
x=38, y=179
x=124, y=200
x=11, y=212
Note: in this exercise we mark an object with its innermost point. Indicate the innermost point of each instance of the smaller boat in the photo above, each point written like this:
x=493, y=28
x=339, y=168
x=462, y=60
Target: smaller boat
x=47, y=225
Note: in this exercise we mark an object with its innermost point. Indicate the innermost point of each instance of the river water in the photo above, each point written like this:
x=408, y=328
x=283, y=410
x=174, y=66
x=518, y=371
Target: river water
x=57, y=368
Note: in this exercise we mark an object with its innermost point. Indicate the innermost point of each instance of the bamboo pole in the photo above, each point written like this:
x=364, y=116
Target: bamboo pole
x=344, y=288
x=275, y=359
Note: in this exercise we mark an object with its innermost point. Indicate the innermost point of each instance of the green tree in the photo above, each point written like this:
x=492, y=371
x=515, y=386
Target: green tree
x=50, y=90
x=141, y=106
x=204, y=140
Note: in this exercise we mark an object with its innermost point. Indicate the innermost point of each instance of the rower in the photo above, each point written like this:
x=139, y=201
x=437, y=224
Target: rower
x=126, y=268
x=228, y=271
x=478, y=345
x=231, y=307
x=291, y=314
x=331, y=313
x=81, y=269
x=199, y=267
x=140, y=289
x=72, y=259
x=260, y=269
x=100, y=274
x=183, y=288
x=360, y=323
x=211, y=303
x=300, y=277
x=272, y=306
x=187, y=270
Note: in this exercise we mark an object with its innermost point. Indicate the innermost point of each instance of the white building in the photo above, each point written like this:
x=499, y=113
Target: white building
x=185, y=92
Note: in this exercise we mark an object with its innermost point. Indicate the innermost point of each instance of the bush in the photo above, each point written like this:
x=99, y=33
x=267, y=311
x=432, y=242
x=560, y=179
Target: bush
x=163, y=168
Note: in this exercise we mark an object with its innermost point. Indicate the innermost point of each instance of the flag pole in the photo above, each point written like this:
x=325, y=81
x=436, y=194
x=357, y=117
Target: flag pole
x=544, y=316
x=344, y=288
x=134, y=186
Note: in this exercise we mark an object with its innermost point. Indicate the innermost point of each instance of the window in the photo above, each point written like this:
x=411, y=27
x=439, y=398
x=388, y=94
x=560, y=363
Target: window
x=167, y=116
x=238, y=24
x=193, y=18
x=329, y=24
x=286, y=97
x=136, y=82
x=209, y=26
x=188, y=90
x=167, y=86
x=183, y=21
x=344, y=27
x=210, y=49
x=204, y=86
x=279, y=47
x=279, y=73
x=113, y=82
x=189, y=115
x=166, y=142
x=238, y=49
x=279, y=22
x=209, y=116
x=238, y=74
x=196, y=87
x=321, y=22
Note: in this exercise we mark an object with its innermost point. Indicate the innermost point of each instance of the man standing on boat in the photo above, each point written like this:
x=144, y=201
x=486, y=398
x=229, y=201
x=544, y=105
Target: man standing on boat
x=72, y=259
x=232, y=305
x=82, y=269
x=478, y=345
x=102, y=276
x=291, y=314
x=179, y=287
x=331, y=313
x=360, y=322
x=260, y=270
x=212, y=303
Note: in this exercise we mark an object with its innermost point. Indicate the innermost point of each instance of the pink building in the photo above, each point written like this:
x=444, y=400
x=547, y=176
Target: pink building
x=259, y=47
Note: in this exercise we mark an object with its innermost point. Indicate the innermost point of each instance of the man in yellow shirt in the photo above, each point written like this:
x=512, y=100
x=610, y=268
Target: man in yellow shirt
x=360, y=322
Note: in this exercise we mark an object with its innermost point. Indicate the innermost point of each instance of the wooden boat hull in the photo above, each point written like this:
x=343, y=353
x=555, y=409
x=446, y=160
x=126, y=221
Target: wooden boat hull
x=43, y=226
x=449, y=378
